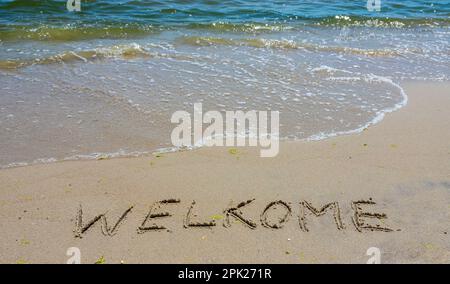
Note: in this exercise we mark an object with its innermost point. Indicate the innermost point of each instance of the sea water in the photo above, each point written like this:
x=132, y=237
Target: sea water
x=104, y=82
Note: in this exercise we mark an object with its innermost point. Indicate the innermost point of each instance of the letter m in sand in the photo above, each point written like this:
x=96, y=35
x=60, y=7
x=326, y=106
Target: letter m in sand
x=334, y=206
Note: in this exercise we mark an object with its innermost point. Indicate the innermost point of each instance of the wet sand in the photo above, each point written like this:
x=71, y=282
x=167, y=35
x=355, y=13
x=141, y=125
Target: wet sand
x=387, y=187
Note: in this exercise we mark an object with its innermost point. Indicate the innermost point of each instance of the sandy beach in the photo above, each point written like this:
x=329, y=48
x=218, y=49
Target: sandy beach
x=387, y=187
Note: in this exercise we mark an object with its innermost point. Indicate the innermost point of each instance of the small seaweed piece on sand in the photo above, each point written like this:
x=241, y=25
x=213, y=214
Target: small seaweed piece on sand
x=101, y=260
x=217, y=217
x=102, y=157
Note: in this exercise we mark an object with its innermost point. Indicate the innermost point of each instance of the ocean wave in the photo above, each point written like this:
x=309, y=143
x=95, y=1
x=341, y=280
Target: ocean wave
x=125, y=51
x=70, y=32
x=380, y=22
x=250, y=27
x=290, y=44
x=124, y=30
x=352, y=77
x=134, y=50
x=299, y=23
x=369, y=78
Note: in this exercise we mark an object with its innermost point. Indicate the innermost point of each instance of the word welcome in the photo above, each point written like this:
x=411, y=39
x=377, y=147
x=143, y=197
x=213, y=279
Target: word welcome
x=273, y=216
x=189, y=132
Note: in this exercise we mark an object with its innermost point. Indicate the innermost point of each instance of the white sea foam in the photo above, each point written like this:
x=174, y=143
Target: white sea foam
x=323, y=83
x=378, y=117
x=316, y=137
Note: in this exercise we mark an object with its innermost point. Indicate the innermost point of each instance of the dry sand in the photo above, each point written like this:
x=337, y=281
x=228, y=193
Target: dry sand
x=403, y=164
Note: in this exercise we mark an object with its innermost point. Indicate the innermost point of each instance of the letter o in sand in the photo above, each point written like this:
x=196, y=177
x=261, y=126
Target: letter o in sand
x=281, y=221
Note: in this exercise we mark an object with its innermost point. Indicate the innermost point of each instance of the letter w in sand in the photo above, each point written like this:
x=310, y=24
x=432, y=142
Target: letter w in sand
x=81, y=228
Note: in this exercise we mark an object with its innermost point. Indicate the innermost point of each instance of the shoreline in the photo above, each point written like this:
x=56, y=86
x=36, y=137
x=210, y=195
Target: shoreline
x=173, y=149
x=400, y=164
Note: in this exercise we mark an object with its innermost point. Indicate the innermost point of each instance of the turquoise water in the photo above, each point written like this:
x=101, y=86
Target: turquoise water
x=104, y=81
x=50, y=20
x=181, y=13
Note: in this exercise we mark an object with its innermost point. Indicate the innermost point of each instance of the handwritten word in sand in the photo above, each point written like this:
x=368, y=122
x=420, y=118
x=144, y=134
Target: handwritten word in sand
x=275, y=215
